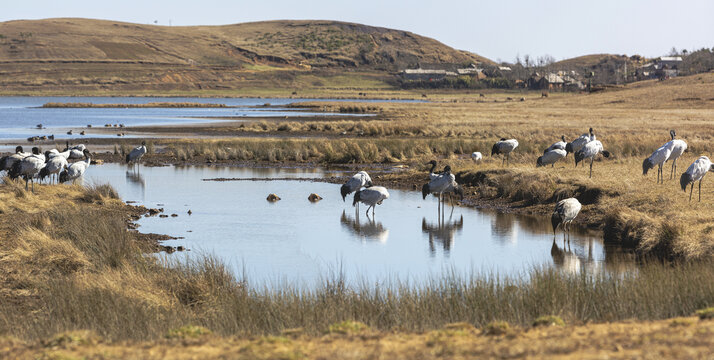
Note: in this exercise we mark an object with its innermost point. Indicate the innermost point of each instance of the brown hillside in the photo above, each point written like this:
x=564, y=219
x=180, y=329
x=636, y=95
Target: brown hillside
x=69, y=52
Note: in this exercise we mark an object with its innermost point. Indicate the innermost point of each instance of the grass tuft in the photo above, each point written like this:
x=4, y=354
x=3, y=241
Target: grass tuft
x=549, y=320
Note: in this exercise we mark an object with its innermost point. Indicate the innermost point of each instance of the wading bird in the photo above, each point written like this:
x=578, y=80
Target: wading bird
x=658, y=158
x=578, y=143
x=557, y=145
x=695, y=172
x=371, y=196
x=565, y=212
x=76, y=170
x=6, y=162
x=135, y=155
x=440, y=184
x=356, y=182
x=551, y=157
x=678, y=148
x=52, y=167
x=505, y=147
x=28, y=167
x=589, y=151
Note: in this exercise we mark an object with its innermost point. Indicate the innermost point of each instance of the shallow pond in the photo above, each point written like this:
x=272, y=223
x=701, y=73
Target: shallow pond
x=19, y=116
x=296, y=241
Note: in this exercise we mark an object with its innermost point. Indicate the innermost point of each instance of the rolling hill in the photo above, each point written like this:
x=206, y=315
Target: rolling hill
x=71, y=53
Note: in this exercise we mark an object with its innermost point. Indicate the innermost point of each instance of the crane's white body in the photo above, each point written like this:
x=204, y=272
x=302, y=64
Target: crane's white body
x=65, y=154
x=557, y=145
x=53, y=166
x=505, y=147
x=578, y=143
x=551, y=157
x=678, y=148
x=356, y=182
x=476, y=156
x=371, y=196
x=694, y=173
x=135, y=154
x=10, y=160
x=565, y=212
x=74, y=154
x=589, y=151
x=658, y=158
x=28, y=168
x=76, y=170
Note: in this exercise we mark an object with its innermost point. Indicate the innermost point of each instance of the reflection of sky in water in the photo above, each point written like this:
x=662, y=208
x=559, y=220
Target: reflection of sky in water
x=19, y=116
x=295, y=240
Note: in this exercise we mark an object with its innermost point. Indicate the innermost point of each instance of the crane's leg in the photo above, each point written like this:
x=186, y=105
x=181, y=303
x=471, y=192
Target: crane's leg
x=690, y=192
x=700, y=190
x=26, y=180
x=674, y=169
x=367, y=212
x=591, y=166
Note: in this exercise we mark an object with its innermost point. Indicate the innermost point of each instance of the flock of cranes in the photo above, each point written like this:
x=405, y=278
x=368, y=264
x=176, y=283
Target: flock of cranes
x=584, y=147
x=54, y=164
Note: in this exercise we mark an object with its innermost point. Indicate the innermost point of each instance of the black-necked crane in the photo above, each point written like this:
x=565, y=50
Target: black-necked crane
x=356, y=182
x=565, y=212
x=371, y=196
x=135, y=154
x=658, y=158
x=75, y=170
x=562, y=144
x=678, y=148
x=505, y=147
x=440, y=184
x=590, y=151
x=694, y=173
x=6, y=162
x=28, y=167
x=550, y=157
x=578, y=143
x=53, y=166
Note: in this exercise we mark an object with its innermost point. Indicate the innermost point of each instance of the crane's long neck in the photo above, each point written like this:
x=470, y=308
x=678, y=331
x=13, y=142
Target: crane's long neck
x=433, y=167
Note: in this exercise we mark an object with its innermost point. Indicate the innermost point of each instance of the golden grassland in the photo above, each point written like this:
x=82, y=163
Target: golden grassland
x=679, y=338
x=78, y=284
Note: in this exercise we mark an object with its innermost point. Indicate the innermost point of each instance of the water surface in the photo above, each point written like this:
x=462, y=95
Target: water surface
x=296, y=241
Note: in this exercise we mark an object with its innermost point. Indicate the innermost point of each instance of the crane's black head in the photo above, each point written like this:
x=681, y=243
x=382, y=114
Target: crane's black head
x=562, y=138
x=579, y=156
x=36, y=150
x=646, y=166
x=66, y=146
x=685, y=180
x=433, y=165
x=64, y=176
x=44, y=172
x=344, y=191
x=673, y=134
x=568, y=148
x=14, y=171
x=19, y=149
x=494, y=149
x=143, y=143
x=357, y=198
x=86, y=153
x=425, y=191
x=555, y=221
x=591, y=131
x=447, y=169
x=606, y=153
x=539, y=161
x=368, y=184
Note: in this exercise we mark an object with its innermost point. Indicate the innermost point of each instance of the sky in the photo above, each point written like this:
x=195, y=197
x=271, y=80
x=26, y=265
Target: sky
x=499, y=30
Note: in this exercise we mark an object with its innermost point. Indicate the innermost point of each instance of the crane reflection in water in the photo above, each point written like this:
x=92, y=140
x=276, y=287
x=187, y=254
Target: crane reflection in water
x=370, y=230
x=443, y=232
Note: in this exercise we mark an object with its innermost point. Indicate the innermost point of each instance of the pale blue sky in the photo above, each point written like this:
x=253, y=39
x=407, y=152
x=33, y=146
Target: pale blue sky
x=495, y=29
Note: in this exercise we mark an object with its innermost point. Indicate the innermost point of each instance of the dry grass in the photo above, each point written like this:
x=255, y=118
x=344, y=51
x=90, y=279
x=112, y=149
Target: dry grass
x=76, y=267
